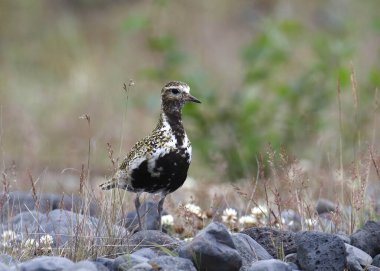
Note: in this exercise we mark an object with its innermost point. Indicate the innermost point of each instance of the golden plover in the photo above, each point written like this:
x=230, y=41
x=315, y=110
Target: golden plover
x=159, y=162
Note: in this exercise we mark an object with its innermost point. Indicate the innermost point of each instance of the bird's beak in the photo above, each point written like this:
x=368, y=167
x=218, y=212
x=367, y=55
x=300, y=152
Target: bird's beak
x=190, y=98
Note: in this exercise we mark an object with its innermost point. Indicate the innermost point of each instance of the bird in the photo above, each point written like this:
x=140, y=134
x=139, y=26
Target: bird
x=158, y=163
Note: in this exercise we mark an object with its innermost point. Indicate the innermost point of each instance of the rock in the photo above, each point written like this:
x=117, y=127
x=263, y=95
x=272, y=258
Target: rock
x=368, y=238
x=142, y=267
x=320, y=251
x=8, y=260
x=152, y=239
x=46, y=263
x=325, y=206
x=291, y=220
x=356, y=258
x=270, y=265
x=19, y=202
x=344, y=237
x=149, y=217
x=212, y=249
x=275, y=242
x=74, y=204
x=291, y=258
x=107, y=263
x=170, y=263
x=4, y=267
x=146, y=253
x=372, y=268
x=62, y=225
x=82, y=266
x=376, y=260
x=249, y=250
x=127, y=261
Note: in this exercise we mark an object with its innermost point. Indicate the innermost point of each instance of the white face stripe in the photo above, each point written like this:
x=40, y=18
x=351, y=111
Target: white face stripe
x=184, y=88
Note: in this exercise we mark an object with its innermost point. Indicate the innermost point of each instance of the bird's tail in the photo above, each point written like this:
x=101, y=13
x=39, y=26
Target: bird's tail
x=109, y=185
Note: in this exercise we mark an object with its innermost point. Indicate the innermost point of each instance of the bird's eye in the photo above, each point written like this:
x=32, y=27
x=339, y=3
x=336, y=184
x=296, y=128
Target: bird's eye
x=175, y=91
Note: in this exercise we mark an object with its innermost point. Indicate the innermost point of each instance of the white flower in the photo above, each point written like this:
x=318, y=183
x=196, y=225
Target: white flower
x=247, y=220
x=188, y=239
x=8, y=236
x=194, y=209
x=167, y=220
x=46, y=240
x=30, y=243
x=259, y=210
x=229, y=215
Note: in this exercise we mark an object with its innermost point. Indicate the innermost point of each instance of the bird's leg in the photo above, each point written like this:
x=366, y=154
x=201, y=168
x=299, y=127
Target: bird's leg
x=159, y=209
x=137, y=206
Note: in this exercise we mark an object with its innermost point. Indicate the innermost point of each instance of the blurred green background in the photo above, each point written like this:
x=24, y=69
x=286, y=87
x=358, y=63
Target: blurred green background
x=266, y=71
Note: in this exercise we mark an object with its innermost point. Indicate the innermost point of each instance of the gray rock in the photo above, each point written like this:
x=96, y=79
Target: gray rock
x=320, y=251
x=19, y=202
x=61, y=225
x=325, y=206
x=4, y=267
x=142, y=267
x=275, y=242
x=152, y=239
x=106, y=262
x=146, y=252
x=8, y=260
x=372, y=268
x=356, y=258
x=344, y=237
x=127, y=261
x=82, y=266
x=270, y=265
x=212, y=249
x=368, y=238
x=170, y=263
x=376, y=260
x=291, y=258
x=249, y=250
x=46, y=263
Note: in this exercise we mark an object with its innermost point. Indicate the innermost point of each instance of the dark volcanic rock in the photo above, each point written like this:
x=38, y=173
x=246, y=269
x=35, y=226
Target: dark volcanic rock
x=274, y=241
x=169, y=263
x=325, y=206
x=368, y=238
x=212, y=249
x=152, y=239
x=103, y=264
x=270, y=265
x=376, y=260
x=320, y=251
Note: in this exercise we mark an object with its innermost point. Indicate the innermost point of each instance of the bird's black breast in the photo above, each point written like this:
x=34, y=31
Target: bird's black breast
x=169, y=173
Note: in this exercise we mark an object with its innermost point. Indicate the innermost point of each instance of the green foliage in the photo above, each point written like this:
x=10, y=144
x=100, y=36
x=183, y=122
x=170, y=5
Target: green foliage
x=290, y=83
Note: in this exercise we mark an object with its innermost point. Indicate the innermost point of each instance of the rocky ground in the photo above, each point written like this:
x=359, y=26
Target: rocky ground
x=47, y=238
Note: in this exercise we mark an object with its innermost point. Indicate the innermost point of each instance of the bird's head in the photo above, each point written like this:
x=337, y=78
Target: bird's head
x=175, y=95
